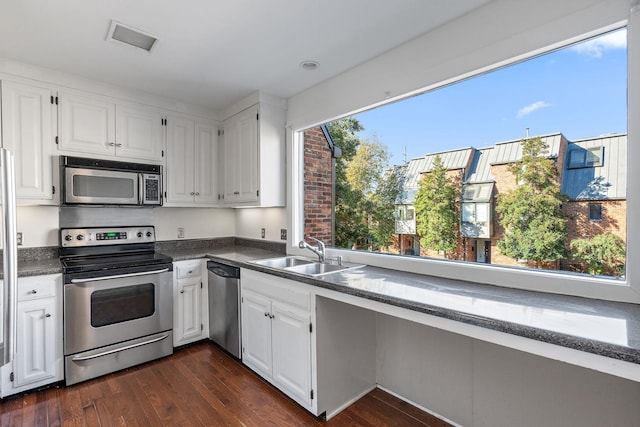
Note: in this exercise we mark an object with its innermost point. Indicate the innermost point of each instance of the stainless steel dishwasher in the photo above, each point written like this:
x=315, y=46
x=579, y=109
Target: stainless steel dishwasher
x=224, y=306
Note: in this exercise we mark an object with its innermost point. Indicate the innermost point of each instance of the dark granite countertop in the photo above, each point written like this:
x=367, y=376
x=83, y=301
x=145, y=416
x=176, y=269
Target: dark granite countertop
x=605, y=328
x=599, y=327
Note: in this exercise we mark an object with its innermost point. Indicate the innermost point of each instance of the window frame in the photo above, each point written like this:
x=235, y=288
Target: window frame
x=626, y=289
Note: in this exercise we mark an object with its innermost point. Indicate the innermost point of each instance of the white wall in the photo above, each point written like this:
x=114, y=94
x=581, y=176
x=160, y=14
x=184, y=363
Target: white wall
x=38, y=224
x=250, y=221
x=198, y=223
x=479, y=384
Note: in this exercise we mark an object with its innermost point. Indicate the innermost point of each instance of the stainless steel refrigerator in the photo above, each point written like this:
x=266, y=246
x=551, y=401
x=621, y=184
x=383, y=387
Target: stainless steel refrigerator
x=9, y=259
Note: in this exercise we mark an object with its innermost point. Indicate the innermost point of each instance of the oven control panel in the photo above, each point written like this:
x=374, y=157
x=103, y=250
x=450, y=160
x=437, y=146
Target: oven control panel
x=76, y=237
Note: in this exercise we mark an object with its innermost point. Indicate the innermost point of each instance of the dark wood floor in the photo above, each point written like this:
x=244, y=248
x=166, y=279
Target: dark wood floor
x=198, y=386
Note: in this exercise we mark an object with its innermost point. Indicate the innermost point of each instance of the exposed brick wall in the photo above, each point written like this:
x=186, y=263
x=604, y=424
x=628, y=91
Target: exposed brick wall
x=318, y=186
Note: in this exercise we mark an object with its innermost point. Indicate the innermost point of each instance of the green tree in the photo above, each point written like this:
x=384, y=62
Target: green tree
x=365, y=191
x=349, y=223
x=535, y=228
x=603, y=253
x=435, y=205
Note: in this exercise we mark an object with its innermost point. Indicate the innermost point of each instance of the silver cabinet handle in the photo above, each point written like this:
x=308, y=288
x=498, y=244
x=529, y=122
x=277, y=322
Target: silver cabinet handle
x=119, y=145
x=47, y=315
x=111, y=144
x=182, y=292
x=192, y=193
x=236, y=193
x=197, y=193
x=266, y=314
x=33, y=292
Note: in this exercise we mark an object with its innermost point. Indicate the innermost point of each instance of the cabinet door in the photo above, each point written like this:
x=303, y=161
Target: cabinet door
x=27, y=133
x=256, y=332
x=241, y=157
x=36, y=341
x=291, y=340
x=139, y=132
x=206, y=163
x=86, y=125
x=188, y=326
x=180, y=160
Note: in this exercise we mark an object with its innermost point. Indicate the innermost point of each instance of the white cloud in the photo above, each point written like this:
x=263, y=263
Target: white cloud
x=595, y=47
x=531, y=108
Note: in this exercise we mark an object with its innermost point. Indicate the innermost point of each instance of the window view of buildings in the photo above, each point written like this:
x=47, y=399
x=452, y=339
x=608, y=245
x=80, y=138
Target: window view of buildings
x=591, y=174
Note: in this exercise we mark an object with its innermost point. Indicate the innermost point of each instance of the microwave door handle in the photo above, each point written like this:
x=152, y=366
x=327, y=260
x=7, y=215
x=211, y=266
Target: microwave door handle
x=140, y=189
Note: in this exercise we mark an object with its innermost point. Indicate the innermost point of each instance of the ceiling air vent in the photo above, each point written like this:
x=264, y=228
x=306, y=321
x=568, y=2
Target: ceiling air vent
x=121, y=33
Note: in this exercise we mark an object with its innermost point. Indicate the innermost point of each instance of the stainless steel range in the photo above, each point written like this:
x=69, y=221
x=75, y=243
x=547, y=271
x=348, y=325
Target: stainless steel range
x=118, y=303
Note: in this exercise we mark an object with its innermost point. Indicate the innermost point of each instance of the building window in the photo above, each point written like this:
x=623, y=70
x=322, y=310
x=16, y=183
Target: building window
x=381, y=204
x=595, y=211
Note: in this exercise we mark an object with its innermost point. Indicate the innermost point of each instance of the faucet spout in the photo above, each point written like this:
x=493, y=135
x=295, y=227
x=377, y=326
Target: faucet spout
x=318, y=250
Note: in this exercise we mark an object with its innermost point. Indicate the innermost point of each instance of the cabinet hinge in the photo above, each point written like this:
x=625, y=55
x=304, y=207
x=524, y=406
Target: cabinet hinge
x=53, y=189
x=310, y=327
x=312, y=394
x=57, y=140
x=11, y=377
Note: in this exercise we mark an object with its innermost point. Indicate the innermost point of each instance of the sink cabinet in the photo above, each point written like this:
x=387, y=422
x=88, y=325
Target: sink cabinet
x=277, y=329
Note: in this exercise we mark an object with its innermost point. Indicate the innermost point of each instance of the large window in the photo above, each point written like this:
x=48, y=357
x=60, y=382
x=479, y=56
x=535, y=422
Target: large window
x=503, y=168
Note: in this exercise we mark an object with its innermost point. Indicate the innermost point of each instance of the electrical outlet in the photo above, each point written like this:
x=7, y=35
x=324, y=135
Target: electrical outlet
x=262, y=233
x=180, y=233
x=283, y=234
x=19, y=238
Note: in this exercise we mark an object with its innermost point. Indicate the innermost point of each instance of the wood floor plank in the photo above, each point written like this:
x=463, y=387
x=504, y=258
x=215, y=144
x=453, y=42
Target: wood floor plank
x=199, y=385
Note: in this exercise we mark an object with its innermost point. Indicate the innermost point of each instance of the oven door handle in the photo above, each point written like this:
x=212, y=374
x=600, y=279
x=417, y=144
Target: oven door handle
x=118, y=350
x=119, y=276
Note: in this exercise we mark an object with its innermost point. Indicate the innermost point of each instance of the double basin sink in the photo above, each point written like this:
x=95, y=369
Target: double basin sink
x=304, y=266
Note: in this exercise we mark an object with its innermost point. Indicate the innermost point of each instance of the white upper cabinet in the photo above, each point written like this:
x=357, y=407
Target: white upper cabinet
x=241, y=157
x=139, y=132
x=253, y=153
x=28, y=132
x=87, y=124
x=192, y=162
x=92, y=124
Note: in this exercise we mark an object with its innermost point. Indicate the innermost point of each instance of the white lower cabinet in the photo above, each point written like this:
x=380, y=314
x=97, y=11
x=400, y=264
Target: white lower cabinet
x=190, y=302
x=38, y=358
x=276, y=333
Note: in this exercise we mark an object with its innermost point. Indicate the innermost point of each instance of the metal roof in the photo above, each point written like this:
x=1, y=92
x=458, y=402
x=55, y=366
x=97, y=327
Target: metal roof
x=456, y=159
x=511, y=151
x=480, y=169
x=607, y=181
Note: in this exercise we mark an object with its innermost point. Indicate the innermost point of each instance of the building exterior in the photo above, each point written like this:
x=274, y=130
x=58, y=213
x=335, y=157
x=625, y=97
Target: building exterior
x=592, y=173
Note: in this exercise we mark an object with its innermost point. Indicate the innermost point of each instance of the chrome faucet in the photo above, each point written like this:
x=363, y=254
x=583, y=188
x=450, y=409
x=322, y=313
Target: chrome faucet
x=318, y=250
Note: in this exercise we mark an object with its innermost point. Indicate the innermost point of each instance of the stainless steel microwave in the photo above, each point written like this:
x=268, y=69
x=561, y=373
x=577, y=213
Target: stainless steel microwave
x=107, y=182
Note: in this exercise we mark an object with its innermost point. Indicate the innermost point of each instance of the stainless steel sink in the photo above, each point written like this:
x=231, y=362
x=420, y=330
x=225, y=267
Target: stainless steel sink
x=304, y=266
x=316, y=268
x=283, y=262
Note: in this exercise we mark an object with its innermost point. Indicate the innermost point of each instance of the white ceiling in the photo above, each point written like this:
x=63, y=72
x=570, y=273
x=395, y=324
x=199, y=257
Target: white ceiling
x=215, y=52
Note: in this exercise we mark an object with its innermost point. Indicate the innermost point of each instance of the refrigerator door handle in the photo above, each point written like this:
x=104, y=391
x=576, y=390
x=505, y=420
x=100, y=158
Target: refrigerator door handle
x=10, y=252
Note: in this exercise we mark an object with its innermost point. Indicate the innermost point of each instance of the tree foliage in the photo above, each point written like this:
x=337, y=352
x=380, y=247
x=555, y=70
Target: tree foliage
x=435, y=205
x=365, y=190
x=603, y=253
x=535, y=227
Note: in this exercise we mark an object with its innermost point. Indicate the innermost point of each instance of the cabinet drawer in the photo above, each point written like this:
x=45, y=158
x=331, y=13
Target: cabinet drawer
x=36, y=287
x=288, y=291
x=188, y=269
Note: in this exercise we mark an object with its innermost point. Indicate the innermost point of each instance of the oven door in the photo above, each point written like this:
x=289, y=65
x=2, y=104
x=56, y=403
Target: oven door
x=101, y=187
x=108, y=310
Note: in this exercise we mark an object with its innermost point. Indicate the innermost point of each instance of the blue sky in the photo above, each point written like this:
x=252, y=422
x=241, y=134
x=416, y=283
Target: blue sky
x=580, y=91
